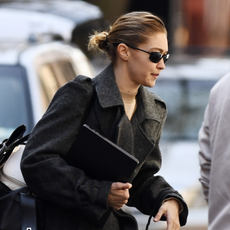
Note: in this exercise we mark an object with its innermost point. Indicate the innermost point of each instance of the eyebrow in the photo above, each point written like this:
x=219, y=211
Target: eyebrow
x=159, y=49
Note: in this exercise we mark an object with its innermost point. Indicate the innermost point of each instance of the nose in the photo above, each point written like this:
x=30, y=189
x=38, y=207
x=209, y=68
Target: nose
x=161, y=64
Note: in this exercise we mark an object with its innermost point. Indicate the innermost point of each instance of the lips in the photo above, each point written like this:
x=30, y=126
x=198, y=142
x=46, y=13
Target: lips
x=155, y=75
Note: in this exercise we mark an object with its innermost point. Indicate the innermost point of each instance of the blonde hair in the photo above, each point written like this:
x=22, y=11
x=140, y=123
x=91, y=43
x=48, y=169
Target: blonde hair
x=131, y=28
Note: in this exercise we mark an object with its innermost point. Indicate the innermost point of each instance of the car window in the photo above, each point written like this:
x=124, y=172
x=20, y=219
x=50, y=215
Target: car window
x=186, y=100
x=65, y=70
x=53, y=75
x=48, y=82
x=15, y=104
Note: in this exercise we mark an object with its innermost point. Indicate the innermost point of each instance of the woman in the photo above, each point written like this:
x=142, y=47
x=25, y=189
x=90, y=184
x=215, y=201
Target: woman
x=123, y=111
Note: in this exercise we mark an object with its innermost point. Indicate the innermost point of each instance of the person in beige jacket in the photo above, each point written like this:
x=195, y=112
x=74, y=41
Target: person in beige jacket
x=214, y=155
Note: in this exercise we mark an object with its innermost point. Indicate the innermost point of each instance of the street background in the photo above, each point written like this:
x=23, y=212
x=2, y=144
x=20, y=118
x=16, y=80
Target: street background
x=199, y=47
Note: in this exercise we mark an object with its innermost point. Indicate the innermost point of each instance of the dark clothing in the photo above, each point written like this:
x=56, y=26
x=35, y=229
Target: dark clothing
x=74, y=201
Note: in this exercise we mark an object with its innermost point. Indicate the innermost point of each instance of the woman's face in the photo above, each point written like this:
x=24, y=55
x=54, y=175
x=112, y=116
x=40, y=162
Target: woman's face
x=141, y=71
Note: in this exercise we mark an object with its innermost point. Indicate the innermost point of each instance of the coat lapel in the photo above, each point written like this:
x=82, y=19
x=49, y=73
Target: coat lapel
x=138, y=136
x=147, y=123
x=109, y=96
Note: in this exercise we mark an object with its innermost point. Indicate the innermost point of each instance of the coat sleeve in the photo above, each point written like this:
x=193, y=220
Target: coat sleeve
x=43, y=167
x=149, y=195
x=205, y=154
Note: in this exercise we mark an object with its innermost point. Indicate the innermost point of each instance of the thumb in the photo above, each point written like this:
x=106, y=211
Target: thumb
x=119, y=185
x=127, y=186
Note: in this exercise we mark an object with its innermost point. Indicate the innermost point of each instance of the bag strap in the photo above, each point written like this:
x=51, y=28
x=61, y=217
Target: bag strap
x=29, y=218
x=148, y=223
x=7, y=146
x=16, y=134
x=20, y=141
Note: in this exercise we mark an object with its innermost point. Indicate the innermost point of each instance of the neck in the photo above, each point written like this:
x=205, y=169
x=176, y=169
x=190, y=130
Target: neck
x=124, y=83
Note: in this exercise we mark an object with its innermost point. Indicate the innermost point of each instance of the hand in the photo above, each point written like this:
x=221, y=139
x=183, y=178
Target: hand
x=118, y=195
x=170, y=209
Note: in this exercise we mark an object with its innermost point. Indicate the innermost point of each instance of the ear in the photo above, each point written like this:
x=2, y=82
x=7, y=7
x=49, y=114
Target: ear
x=122, y=51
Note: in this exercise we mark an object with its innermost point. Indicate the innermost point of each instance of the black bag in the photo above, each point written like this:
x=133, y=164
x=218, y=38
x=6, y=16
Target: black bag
x=7, y=146
x=17, y=207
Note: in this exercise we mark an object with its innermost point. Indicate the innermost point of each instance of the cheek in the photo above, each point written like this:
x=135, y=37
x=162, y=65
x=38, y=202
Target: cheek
x=138, y=59
x=138, y=71
x=140, y=65
x=135, y=67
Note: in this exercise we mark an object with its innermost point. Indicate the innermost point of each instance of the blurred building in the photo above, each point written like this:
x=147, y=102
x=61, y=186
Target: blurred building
x=194, y=26
x=202, y=26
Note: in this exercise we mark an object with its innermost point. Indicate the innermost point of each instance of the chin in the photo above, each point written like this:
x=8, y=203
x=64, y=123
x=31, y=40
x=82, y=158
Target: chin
x=150, y=84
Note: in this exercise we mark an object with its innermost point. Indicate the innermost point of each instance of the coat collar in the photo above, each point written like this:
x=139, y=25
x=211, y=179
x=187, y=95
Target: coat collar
x=109, y=95
x=107, y=89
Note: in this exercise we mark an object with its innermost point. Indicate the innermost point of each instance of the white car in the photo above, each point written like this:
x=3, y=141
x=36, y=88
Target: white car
x=36, y=55
x=29, y=77
x=73, y=21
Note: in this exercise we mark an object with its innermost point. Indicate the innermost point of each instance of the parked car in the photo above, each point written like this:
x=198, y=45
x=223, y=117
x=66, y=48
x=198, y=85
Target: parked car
x=72, y=20
x=38, y=55
x=184, y=85
x=29, y=77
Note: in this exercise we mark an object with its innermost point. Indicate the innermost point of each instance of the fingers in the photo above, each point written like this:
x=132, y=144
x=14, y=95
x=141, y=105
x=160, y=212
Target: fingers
x=169, y=209
x=119, y=185
x=160, y=213
x=119, y=195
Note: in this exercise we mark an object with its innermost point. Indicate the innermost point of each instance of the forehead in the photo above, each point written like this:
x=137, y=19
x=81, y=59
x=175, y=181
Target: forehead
x=157, y=41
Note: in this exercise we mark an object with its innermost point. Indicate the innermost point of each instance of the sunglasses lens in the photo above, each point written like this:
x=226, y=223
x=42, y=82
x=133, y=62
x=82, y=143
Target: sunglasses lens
x=165, y=57
x=156, y=57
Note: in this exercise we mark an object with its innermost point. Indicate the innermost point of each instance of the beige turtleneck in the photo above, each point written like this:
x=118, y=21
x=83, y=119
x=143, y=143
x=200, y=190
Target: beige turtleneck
x=130, y=104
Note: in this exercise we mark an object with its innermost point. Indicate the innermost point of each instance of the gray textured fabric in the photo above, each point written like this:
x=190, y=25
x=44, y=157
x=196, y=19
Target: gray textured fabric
x=72, y=200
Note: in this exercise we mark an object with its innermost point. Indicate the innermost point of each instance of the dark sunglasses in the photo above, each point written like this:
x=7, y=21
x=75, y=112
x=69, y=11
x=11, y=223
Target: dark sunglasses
x=154, y=57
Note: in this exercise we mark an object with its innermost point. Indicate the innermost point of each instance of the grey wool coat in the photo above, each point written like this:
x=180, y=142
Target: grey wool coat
x=67, y=198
